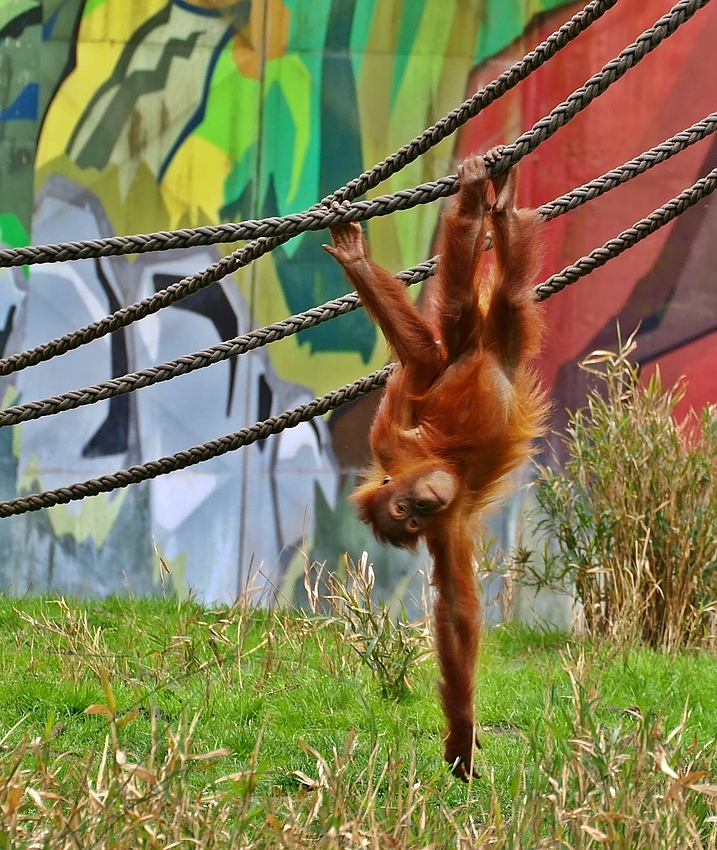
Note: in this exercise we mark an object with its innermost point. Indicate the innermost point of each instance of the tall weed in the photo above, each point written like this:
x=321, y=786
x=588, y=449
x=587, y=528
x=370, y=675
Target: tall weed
x=632, y=515
x=388, y=645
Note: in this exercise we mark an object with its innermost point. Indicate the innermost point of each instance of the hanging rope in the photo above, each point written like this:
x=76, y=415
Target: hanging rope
x=298, y=223
x=350, y=392
x=339, y=306
x=657, y=219
x=666, y=26
x=542, y=130
x=198, y=454
x=634, y=167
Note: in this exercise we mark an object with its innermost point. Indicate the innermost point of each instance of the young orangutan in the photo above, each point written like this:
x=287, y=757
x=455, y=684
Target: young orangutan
x=460, y=411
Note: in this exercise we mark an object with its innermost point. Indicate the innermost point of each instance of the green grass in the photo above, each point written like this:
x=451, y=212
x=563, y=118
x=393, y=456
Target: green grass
x=276, y=728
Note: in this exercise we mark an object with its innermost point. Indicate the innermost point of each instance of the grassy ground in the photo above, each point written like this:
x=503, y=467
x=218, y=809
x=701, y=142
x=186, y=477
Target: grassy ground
x=157, y=723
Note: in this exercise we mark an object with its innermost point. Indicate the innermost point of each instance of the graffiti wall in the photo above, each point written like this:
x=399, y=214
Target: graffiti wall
x=126, y=116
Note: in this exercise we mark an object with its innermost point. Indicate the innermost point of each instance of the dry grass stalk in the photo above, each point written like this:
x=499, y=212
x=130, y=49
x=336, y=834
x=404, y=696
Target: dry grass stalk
x=582, y=785
x=388, y=645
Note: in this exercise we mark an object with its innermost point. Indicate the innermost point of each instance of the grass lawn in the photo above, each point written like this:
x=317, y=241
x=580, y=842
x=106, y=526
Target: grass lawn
x=158, y=723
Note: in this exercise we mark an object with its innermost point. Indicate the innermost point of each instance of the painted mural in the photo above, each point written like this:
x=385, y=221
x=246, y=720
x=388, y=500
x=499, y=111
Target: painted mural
x=126, y=116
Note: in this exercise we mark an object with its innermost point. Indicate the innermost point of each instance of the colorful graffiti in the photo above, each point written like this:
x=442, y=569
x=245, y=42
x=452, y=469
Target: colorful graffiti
x=162, y=114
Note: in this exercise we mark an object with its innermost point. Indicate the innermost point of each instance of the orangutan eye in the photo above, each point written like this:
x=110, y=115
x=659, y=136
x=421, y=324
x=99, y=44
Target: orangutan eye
x=386, y=480
x=400, y=509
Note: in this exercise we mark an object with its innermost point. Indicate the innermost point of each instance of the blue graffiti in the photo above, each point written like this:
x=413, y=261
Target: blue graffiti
x=25, y=106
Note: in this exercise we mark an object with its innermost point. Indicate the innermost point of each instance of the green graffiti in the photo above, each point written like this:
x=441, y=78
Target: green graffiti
x=410, y=24
x=504, y=21
x=92, y=6
x=289, y=92
x=12, y=232
x=11, y=9
x=231, y=118
x=360, y=29
x=309, y=20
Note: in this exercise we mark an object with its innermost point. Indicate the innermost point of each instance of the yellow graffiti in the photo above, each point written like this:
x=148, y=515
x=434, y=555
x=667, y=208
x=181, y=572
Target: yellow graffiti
x=101, y=38
x=193, y=187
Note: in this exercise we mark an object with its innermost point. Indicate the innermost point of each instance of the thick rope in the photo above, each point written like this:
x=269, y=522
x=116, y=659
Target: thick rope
x=525, y=144
x=298, y=223
x=542, y=130
x=614, y=70
x=339, y=306
x=657, y=219
x=198, y=454
x=634, y=167
x=350, y=392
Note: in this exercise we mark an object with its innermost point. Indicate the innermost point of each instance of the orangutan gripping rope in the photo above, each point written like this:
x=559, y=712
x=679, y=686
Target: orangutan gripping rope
x=460, y=411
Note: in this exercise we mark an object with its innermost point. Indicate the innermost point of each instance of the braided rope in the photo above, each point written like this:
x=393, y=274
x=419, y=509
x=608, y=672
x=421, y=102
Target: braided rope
x=614, y=70
x=474, y=105
x=301, y=222
x=657, y=219
x=339, y=306
x=350, y=392
x=634, y=167
x=528, y=142
x=198, y=454
x=541, y=131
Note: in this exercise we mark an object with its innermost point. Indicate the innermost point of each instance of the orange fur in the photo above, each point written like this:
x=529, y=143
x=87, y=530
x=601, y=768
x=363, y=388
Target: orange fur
x=462, y=400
